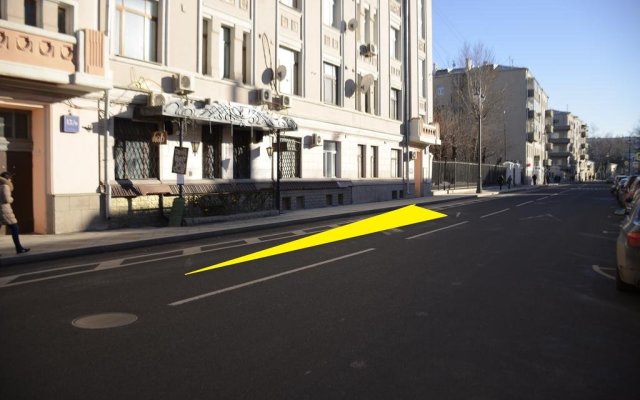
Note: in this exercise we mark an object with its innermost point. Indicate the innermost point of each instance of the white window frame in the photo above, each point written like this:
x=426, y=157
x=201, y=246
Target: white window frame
x=120, y=34
x=330, y=80
x=225, y=52
x=396, y=166
x=374, y=161
x=362, y=161
x=395, y=105
x=291, y=60
x=330, y=159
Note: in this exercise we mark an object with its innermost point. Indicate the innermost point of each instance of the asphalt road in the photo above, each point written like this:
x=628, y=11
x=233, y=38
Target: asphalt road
x=508, y=297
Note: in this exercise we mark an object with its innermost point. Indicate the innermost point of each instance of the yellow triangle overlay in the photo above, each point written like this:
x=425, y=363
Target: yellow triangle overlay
x=393, y=219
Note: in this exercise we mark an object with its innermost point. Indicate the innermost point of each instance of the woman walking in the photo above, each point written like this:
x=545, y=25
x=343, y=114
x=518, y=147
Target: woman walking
x=7, y=217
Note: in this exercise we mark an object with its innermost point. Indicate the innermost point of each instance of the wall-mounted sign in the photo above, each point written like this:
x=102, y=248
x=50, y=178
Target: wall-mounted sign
x=180, y=155
x=70, y=123
x=159, y=137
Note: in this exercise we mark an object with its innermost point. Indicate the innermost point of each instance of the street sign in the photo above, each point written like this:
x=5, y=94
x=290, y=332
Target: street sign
x=180, y=155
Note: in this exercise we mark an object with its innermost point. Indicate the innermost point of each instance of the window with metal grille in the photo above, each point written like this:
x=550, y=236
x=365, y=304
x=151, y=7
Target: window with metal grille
x=135, y=157
x=290, y=157
x=212, y=155
x=241, y=154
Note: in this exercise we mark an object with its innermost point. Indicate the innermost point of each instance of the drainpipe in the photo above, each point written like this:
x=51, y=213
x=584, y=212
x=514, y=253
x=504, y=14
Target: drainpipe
x=107, y=187
x=406, y=70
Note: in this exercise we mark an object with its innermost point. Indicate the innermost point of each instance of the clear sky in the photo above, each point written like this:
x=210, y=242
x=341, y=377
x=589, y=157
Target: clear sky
x=584, y=53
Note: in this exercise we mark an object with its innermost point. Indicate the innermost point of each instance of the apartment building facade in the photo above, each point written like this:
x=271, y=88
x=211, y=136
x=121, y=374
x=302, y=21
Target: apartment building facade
x=111, y=109
x=515, y=126
x=569, y=156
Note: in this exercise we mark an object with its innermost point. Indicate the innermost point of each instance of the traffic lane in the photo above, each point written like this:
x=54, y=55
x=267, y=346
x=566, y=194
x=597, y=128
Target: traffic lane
x=138, y=346
x=454, y=283
x=538, y=307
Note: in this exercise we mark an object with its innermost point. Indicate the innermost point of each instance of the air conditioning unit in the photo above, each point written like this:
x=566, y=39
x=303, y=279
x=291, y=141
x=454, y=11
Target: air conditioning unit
x=283, y=101
x=158, y=99
x=265, y=96
x=370, y=50
x=184, y=84
x=316, y=139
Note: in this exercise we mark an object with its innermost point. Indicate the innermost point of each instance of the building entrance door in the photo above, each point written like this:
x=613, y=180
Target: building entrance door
x=19, y=163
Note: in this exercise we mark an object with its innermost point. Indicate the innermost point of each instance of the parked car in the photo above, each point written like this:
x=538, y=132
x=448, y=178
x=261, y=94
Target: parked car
x=628, y=252
x=625, y=188
x=616, y=183
x=628, y=195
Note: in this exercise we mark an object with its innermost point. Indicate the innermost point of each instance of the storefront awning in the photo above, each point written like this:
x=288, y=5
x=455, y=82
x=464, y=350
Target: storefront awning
x=222, y=113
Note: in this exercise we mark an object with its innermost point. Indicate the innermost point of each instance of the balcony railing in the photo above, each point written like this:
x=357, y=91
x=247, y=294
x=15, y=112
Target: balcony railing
x=533, y=136
x=49, y=57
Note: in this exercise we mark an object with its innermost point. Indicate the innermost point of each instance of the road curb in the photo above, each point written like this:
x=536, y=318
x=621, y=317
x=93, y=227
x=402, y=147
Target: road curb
x=84, y=251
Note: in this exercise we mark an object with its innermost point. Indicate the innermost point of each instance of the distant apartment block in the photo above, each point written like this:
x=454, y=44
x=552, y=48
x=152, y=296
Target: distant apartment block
x=515, y=127
x=569, y=155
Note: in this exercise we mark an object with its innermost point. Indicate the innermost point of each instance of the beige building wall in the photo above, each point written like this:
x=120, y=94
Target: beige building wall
x=72, y=172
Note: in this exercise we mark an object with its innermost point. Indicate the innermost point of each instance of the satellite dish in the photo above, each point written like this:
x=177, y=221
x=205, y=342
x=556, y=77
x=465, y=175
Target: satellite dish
x=281, y=72
x=366, y=82
x=352, y=24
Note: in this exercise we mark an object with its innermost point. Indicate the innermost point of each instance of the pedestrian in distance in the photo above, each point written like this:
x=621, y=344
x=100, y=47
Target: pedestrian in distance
x=535, y=178
x=7, y=217
x=509, y=182
x=500, y=181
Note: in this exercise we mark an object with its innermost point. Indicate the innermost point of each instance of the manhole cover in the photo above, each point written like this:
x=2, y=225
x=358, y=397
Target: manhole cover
x=104, y=321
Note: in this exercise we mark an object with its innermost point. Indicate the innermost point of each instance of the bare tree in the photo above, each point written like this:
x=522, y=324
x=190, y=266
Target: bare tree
x=459, y=120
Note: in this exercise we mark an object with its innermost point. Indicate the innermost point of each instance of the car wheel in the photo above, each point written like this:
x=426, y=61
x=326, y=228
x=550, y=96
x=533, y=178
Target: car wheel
x=620, y=285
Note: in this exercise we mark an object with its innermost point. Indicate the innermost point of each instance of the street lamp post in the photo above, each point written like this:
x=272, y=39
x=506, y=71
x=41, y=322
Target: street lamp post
x=480, y=97
x=504, y=128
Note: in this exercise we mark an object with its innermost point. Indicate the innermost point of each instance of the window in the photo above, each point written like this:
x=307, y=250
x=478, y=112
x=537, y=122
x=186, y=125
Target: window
x=362, y=161
x=241, y=154
x=136, y=19
x=212, y=152
x=394, y=43
x=330, y=161
x=290, y=59
x=134, y=155
x=290, y=157
x=290, y=3
x=367, y=26
x=331, y=12
x=205, y=67
x=440, y=90
x=374, y=161
x=396, y=170
x=62, y=20
x=330, y=84
x=31, y=12
x=15, y=124
x=421, y=82
x=395, y=110
x=224, y=55
x=370, y=99
x=246, y=57
x=421, y=27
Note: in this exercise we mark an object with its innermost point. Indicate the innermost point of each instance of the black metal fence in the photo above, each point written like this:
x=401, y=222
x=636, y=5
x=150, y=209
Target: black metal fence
x=456, y=174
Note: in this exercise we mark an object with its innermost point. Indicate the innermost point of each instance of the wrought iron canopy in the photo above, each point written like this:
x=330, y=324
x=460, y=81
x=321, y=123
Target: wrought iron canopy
x=223, y=113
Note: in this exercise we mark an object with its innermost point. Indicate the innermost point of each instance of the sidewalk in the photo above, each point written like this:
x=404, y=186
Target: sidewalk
x=47, y=247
